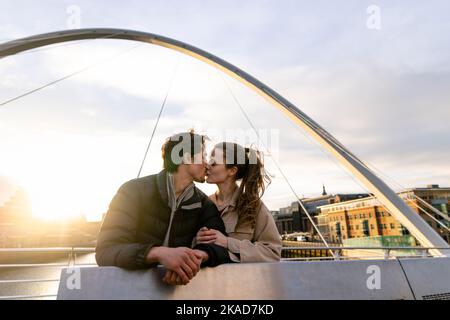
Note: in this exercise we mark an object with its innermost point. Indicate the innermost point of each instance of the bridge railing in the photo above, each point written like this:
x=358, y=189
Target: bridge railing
x=72, y=255
x=43, y=291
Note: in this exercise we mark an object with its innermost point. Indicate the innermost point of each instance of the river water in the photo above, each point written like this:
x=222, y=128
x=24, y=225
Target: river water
x=50, y=288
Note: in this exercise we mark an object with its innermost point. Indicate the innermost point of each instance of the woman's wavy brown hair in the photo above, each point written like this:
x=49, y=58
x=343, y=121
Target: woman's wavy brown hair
x=253, y=177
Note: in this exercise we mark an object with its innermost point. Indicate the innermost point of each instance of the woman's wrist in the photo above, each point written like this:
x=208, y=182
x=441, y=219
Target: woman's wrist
x=205, y=256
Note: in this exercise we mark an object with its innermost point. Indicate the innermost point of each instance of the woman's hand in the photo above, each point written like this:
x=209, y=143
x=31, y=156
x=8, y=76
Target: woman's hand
x=205, y=235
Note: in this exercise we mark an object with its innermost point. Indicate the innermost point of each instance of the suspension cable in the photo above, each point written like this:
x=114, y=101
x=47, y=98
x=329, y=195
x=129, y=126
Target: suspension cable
x=277, y=165
x=430, y=215
x=93, y=65
x=371, y=167
x=435, y=210
x=379, y=171
x=159, y=115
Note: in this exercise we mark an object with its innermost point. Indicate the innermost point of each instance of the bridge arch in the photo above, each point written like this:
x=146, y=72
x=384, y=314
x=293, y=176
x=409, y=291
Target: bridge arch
x=397, y=207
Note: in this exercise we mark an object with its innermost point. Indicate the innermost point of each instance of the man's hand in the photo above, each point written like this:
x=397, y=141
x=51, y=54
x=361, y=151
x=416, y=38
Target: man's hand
x=205, y=235
x=173, y=278
x=182, y=261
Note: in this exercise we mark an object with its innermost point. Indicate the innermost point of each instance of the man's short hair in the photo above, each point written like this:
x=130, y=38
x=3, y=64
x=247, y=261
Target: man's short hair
x=176, y=146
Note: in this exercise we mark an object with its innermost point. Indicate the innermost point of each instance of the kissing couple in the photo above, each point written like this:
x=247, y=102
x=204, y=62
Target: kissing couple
x=165, y=219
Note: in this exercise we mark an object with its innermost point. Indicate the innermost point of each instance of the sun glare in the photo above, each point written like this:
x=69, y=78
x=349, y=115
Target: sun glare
x=68, y=177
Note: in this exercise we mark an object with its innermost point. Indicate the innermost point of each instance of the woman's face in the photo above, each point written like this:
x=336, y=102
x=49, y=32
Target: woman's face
x=217, y=172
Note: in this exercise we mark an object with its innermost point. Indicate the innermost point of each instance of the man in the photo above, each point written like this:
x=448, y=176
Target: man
x=153, y=220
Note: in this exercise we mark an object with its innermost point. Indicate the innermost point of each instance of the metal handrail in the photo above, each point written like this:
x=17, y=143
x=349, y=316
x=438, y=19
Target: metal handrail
x=386, y=252
x=49, y=250
x=71, y=256
x=92, y=249
x=34, y=265
x=28, y=281
x=363, y=248
x=341, y=258
x=27, y=296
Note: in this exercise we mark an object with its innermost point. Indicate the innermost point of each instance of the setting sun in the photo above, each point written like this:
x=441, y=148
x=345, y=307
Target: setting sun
x=67, y=176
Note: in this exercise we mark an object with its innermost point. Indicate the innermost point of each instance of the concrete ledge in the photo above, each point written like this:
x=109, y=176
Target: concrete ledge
x=429, y=278
x=256, y=281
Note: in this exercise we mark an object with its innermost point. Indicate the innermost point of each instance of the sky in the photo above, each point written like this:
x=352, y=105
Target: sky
x=375, y=74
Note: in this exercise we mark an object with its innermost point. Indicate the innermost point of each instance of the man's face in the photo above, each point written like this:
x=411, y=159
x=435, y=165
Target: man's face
x=197, y=169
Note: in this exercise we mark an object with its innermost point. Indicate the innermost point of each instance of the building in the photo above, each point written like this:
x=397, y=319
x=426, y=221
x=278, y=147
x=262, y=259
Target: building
x=367, y=217
x=294, y=219
x=15, y=213
x=16, y=209
x=284, y=221
x=357, y=218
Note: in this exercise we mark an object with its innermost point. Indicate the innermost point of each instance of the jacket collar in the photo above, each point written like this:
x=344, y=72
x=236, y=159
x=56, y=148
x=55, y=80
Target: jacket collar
x=161, y=179
x=229, y=204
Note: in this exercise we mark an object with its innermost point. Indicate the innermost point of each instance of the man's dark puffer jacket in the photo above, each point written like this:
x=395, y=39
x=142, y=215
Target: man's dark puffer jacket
x=138, y=218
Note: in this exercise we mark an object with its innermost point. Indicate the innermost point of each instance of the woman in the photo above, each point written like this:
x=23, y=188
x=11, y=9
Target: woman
x=252, y=233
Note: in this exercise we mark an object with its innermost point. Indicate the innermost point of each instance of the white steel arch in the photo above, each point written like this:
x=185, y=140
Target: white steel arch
x=397, y=207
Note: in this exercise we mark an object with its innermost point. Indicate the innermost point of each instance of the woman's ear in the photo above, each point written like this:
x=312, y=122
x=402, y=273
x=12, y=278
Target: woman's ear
x=232, y=171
